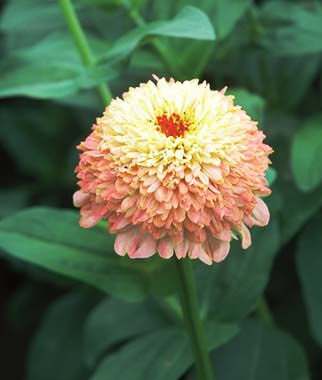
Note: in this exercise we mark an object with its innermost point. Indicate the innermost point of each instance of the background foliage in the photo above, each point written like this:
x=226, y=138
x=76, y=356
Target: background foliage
x=69, y=317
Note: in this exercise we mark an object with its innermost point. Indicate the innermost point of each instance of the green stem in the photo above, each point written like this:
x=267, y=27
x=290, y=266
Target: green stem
x=189, y=303
x=82, y=45
x=264, y=313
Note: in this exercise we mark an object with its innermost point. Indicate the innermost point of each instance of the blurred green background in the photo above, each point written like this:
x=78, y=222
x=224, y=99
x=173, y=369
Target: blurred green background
x=268, y=53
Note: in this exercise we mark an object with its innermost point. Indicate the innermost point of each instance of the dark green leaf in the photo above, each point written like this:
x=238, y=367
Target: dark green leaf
x=36, y=14
x=56, y=351
x=271, y=176
x=163, y=355
x=108, y=324
x=190, y=22
x=38, y=82
x=253, y=104
x=227, y=13
x=306, y=159
x=296, y=209
x=269, y=76
x=261, y=353
x=50, y=81
x=51, y=68
x=292, y=29
x=309, y=266
x=230, y=290
x=53, y=240
x=59, y=48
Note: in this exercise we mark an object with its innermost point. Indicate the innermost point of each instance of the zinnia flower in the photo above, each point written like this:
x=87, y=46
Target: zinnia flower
x=174, y=168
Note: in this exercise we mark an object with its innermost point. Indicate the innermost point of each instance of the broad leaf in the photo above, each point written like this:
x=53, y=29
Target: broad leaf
x=163, y=355
x=57, y=349
x=270, y=76
x=53, y=240
x=36, y=13
x=230, y=290
x=227, y=13
x=190, y=22
x=38, y=82
x=306, y=158
x=43, y=17
x=296, y=208
x=59, y=48
x=108, y=324
x=292, y=29
x=253, y=104
x=261, y=353
x=50, y=81
x=309, y=266
x=271, y=176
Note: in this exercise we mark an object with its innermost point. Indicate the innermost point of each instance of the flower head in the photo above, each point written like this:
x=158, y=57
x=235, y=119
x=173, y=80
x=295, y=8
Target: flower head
x=174, y=168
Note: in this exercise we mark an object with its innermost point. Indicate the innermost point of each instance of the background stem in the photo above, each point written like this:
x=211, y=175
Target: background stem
x=189, y=303
x=82, y=45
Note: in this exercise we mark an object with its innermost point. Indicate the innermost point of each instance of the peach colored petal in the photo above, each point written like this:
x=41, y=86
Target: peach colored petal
x=80, y=198
x=204, y=257
x=221, y=251
x=89, y=221
x=147, y=247
x=246, y=238
x=119, y=223
x=194, y=250
x=165, y=248
x=123, y=241
x=260, y=213
x=181, y=249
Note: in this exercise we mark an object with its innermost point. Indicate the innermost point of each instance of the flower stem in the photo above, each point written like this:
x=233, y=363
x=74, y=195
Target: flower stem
x=189, y=304
x=82, y=45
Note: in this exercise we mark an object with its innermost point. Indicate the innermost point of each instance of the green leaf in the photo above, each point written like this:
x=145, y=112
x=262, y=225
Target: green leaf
x=59, y=48
x=43, y=17
x=50, y=81
x=227, y=14
x=230, y=290
x=51, y=68
x=190, y=22
x=41, y=81
x=306, y=154
x=108, y=324
x=296, y=209
x=57, y=348
x=53, y=240
x=261, y=353
x=271, y=176
x=162, y=355
x=309, y=267
x=253, y=104
x=34, y=13
x=223, y=14
x=38, y=148
x=290, y=28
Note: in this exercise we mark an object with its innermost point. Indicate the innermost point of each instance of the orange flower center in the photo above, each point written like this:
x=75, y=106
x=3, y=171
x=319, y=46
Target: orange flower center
x=172, y=125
